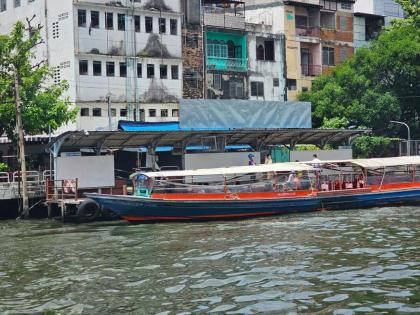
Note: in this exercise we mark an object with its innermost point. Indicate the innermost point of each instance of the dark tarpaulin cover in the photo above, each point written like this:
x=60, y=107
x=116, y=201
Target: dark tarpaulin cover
x=244, y=114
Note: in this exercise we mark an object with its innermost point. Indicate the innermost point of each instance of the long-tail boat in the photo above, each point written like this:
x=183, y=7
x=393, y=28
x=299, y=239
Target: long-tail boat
x=268, y=189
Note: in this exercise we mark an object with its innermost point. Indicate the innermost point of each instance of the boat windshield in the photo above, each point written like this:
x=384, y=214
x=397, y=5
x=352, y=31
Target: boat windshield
x=143, y=185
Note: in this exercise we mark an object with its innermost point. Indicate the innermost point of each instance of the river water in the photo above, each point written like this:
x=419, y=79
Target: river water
x=342, y=262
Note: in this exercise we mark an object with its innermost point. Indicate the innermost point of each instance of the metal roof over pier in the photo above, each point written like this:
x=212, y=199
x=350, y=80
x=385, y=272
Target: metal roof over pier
x=116, y=140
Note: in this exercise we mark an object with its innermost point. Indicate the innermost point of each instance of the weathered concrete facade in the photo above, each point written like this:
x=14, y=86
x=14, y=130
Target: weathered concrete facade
x=128, y=51
x=319, y=35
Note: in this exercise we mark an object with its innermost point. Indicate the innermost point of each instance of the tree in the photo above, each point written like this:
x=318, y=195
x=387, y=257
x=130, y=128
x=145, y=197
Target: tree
x=378, y=84
x=28, y=104
x=42, y=105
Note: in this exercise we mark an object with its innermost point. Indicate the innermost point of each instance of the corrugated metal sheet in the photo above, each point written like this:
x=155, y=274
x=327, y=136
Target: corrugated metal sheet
x=236, y=114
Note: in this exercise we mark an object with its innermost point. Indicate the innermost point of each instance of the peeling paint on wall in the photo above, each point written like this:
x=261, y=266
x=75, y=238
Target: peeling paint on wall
x=158, y=93
x=155, y=48
x=159, y=5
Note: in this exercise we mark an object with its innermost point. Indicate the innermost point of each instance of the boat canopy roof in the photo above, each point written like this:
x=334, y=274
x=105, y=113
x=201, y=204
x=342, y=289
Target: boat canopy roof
x=378, y=162
x=285, y=167
x=233, y=170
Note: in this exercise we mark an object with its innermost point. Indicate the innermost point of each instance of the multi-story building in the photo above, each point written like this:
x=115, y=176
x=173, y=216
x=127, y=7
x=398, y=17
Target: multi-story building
x=122, y=59
x=226, y=58
x=319, y=35
x=370, y=16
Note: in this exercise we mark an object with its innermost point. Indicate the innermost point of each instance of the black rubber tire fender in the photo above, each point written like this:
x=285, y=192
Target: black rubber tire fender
x=88, y=211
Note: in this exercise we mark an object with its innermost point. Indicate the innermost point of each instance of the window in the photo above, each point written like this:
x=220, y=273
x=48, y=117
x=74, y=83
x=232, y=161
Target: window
x=174, y=26
x=346, y=5
x=94, y=19
x=301, y=21
x=217, y=81
x=174, y=72
x=236, y=89
x=109, y=21
x=148, y=24
x=97, y=68
x=328, y=56
x=276, y=82
x=291, y=84
x=191, y=40
x=163, y=71
x=139, y=70
x=152, y=112
x=217, y=50
x=265, y=51
x=260, y=52
x=123, y=112
x=3, y=5
x=84, y=111
x=231, y=49
x=121, y=22
x=257, y=89
x=327, y=19
x=269, y=50
x=96, y=112
x=150, y=71
x=343, y=23
x=113, y=112
x=343, y=54
x=162, y=25
x=81, y=18
x=329, y=4
x=137, y=23
x=175, y=113
x=17, y=3
x=110, y=69
x=123, y=69
x=164, y=113
x=83, y=67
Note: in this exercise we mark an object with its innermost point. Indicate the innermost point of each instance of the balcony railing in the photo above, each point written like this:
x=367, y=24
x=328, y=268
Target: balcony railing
x=311, y=70
x=310, y=31
x=227, y=64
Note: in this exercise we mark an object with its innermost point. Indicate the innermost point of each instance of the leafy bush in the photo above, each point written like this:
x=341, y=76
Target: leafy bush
x=371, y=146
x=3, y=167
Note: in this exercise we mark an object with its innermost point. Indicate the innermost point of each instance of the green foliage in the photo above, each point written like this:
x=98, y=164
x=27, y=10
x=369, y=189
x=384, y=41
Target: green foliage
x=42, y=105
x=3, y=167
x=412, y=9
x=378, y=84
x=335, y=123
x=305, y=147
x=368, y=146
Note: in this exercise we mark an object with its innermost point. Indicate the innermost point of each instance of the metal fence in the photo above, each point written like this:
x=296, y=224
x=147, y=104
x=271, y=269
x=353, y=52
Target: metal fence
x=413, y=147
x=11, y=183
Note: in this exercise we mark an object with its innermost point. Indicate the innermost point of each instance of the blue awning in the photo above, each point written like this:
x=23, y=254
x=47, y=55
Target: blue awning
x=198, y=148
x=158, y=126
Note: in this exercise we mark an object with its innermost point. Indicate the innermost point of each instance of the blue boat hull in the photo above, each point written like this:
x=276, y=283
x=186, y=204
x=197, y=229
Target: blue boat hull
x=134, y=208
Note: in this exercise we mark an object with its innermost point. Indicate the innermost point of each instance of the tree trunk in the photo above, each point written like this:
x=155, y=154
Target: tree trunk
x=21, y=142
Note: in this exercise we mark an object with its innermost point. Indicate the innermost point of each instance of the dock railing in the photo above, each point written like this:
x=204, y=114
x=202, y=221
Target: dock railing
x=61, y=189
x=10, y=183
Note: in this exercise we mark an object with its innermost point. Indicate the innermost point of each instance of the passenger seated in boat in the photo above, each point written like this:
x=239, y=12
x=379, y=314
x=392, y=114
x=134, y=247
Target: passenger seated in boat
x=293, y=182
x=360, y=181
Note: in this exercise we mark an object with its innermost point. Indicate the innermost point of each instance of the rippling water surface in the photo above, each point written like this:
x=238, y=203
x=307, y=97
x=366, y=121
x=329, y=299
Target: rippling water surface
x=347, y=262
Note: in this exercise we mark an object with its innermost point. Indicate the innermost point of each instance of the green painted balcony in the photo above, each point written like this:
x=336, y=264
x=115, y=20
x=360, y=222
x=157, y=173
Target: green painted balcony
x=226, y=52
